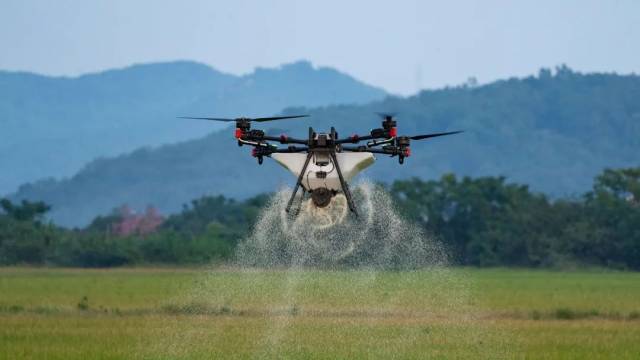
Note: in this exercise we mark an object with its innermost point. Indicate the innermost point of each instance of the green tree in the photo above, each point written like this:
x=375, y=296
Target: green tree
x=23, y=237
x=613, y=213
x=27, y=211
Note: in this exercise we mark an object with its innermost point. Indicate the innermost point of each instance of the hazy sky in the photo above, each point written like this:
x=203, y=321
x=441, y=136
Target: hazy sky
x=399, y=45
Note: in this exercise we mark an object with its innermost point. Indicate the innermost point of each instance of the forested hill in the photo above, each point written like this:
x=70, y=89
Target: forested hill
x=554, y=131
x=52, y=126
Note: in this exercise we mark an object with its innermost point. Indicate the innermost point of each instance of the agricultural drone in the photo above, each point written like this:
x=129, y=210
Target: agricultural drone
x=323, y=162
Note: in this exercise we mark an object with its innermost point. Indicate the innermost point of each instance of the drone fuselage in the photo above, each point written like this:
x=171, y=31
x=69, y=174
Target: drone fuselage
x=324, y=170
x=321, y=172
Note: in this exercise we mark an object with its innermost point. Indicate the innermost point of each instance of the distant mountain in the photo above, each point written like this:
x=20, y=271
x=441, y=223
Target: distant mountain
x=52, y=126
x=554, y=131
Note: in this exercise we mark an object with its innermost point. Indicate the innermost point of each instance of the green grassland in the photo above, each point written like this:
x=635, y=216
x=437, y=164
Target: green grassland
x=307, y=314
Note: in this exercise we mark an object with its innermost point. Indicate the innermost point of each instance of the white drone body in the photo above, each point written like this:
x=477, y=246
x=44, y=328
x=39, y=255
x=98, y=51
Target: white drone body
x=328, y=204
x=321, y=172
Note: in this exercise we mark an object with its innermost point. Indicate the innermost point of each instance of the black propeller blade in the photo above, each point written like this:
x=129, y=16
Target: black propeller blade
x=427, y=136
x=262, y=119
x=277, y=118
x=205, y=118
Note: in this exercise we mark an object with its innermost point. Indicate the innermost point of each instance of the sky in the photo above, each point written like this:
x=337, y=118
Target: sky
x=402, y=46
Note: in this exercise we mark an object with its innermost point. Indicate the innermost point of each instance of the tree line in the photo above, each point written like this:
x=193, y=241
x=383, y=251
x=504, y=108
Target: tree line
x=483, y=221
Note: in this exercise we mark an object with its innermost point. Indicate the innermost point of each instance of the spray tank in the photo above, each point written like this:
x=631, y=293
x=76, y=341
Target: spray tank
x=327, y=205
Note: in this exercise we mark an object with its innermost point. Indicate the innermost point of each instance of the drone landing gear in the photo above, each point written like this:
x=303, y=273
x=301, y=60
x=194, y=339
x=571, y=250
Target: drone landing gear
x=299, y=183
x=345, y=186
x=299, y=207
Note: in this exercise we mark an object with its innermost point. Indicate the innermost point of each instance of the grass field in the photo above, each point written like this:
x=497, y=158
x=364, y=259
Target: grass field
x=229, y=313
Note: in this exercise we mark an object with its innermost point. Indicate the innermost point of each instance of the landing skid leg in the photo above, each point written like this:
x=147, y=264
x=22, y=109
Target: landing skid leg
x=304, y=194
x=345, y=186
x=299, y=182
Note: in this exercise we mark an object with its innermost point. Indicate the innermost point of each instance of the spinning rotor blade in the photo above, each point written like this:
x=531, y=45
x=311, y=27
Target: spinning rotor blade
x=262, y=119
x=205, y=118
x=427, y=136
x=277, y=118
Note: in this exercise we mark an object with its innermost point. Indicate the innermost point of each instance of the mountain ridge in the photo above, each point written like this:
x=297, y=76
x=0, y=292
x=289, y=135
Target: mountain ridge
x=58, y=124
x=552, y=131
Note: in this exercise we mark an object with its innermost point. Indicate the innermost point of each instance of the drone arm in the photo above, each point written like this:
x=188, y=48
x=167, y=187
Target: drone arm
x=400, y=151
x=379, y=137
x=268, y=150
x=254, y=143
x=354, y=139
x=369, y=150
x=283, y=139
x=263, y=149
x=382, y=142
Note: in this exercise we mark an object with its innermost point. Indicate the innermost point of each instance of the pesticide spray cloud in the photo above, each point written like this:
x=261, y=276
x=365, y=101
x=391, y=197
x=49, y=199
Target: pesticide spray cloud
x=377, y=241
x=368, y=273
x=378, y=238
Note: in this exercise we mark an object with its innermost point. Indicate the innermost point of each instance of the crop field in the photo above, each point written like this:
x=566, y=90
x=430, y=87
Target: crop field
x=232, y=313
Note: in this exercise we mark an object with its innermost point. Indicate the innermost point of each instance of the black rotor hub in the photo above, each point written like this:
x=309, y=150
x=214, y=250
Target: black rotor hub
x=403, y=141
x=244, y=124
x=388, y=123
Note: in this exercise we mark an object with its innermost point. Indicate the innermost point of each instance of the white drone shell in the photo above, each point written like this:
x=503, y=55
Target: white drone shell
x=350, y=164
